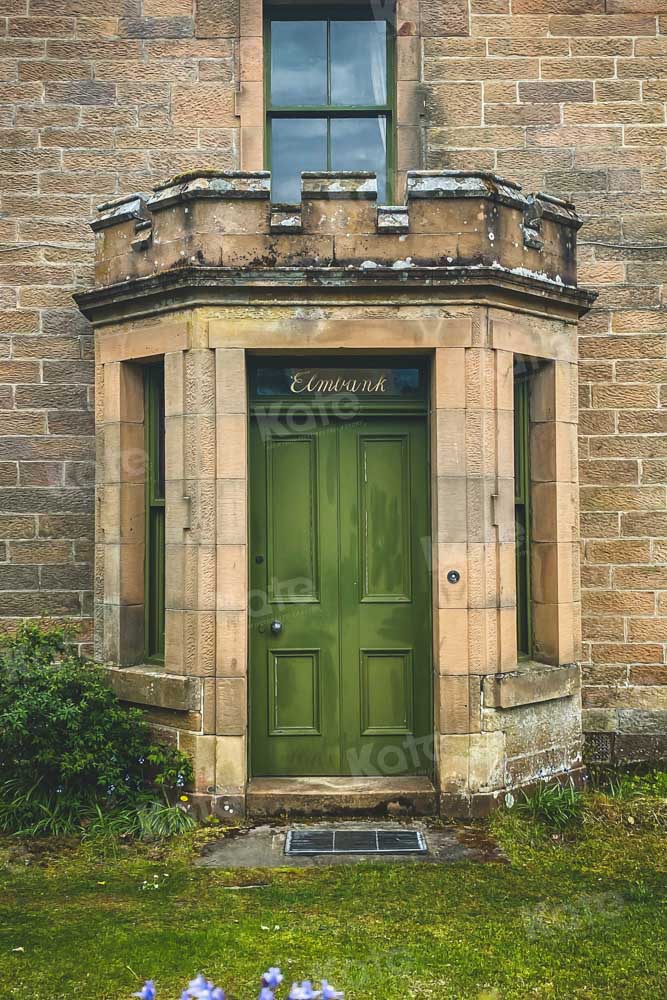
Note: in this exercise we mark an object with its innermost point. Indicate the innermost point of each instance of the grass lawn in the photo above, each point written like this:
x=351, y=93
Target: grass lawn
x=585, y=918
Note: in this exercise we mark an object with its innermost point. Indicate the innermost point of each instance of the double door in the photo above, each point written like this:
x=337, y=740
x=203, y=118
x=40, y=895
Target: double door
x=340, y=623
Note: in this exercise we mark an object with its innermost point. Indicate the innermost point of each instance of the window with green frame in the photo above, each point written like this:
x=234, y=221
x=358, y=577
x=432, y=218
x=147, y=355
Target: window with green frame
x=522, y=513
x=330, y=95
x=155, y=512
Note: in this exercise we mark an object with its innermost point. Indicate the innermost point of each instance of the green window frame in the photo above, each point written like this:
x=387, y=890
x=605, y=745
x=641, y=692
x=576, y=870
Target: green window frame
x=522, y=514
x=154, y=576
x=331, y=111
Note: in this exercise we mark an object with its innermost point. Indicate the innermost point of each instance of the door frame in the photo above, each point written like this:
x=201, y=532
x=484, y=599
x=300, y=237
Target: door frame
x=420, y=409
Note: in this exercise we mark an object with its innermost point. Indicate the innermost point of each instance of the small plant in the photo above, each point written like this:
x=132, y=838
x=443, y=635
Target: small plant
x=201, y=988
x=557, y=806
x=627, y=786
x=70, y=753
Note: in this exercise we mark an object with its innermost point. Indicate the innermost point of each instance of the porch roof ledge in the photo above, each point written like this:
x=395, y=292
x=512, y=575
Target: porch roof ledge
x=148, y=685
x=531, y=683
x=201, y=285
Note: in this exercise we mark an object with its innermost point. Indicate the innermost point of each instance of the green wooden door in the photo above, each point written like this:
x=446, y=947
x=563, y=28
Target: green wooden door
x=339, y=554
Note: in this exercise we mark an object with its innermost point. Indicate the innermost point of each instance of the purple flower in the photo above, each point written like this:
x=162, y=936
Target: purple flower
x=147, y=992
x=303, y=992
x=329, y=993
x=266, y=994
x=202, y=989
x=272, y=978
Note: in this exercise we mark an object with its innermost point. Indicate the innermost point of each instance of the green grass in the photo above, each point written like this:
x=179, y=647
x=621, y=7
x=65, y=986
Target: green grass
x=563, y=919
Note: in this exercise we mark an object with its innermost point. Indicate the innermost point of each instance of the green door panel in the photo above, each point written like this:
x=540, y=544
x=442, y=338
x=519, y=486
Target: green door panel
x=294, y=676
x=294, y=692
x=340, y=536
x=384, y=496
x=387, y=692
x=292, y=508
x=386, y=718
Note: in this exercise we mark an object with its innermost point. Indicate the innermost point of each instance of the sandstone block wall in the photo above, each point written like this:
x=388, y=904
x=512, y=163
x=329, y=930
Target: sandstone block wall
x=569, y=96
x=98, y=100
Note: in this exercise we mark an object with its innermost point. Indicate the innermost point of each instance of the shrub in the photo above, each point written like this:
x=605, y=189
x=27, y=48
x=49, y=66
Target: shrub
x=67, y=745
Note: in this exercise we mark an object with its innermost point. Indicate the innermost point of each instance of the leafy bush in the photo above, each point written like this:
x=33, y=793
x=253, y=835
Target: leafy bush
x=67, y=745
x=557, y=806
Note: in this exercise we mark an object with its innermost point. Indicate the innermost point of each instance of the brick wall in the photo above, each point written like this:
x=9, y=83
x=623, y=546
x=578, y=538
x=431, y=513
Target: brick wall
x=96, y=99
x=562, y=95
x=568, y=96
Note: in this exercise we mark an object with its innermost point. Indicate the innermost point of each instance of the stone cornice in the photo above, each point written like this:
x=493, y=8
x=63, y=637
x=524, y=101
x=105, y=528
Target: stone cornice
x=199, y=286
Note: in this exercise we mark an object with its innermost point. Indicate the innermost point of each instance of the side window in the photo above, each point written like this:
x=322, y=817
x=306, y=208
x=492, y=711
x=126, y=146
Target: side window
x=522, y=512
x=330, y=95
x=155, y=512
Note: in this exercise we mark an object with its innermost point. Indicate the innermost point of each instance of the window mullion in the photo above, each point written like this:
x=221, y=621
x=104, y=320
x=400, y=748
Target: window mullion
x=329, y=61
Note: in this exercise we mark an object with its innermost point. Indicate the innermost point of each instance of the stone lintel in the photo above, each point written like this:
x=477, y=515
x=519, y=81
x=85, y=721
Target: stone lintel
x=531, y=683
x=147, y=685
x=338, y=184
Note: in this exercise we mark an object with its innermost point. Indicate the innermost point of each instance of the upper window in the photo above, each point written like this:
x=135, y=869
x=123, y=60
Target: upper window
x=329, y=96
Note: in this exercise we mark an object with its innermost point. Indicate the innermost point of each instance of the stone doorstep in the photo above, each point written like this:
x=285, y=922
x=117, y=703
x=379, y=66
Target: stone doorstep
x=340, y=795
x=146, y=685
x=530, y=684
x=263, y=847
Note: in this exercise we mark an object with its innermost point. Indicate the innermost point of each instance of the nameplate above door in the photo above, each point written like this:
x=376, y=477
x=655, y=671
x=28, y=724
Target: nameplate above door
x=369, y=385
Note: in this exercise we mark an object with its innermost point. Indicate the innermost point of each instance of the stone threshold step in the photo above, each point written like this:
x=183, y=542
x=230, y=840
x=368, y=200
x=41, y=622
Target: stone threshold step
x=338, y=796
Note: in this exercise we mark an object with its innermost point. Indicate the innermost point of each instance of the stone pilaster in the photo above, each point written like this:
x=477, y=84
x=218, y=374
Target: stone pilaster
x=231, y=592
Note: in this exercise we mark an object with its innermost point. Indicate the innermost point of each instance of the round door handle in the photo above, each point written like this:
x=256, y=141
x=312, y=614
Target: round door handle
x=276, y=627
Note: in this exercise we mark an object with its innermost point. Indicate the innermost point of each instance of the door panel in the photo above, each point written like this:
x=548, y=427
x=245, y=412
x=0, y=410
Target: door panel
x=384, y=487
x=339, y=545
x=292, y=545
x=294, y=675
x=294, y=692
x=386, y=692
x=385, y=615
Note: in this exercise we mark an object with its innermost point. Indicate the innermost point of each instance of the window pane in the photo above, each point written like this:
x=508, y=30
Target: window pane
x=296, y=144
x=358, y=62
x=298, y=62
x=361, y=144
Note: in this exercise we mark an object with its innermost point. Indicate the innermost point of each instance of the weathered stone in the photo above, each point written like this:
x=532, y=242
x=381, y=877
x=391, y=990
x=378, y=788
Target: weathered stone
x=148, y=686
x=531, y=684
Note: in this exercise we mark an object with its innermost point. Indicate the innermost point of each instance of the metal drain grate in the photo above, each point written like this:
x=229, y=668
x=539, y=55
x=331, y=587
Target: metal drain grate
x=355, y=842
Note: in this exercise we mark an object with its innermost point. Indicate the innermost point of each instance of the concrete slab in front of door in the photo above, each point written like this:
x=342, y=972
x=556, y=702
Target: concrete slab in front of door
x=267, y=797
x=264, y=847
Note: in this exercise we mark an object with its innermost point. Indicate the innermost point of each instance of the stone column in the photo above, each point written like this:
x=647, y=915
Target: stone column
x=474, y=577
x=232, y=573
x=190, y=559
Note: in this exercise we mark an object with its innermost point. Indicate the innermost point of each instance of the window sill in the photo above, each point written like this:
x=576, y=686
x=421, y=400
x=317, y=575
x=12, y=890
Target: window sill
x=150, y=685
x=530, y=684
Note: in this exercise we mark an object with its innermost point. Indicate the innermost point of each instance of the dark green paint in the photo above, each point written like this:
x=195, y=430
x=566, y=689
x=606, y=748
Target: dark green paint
x=522, y=514
x=154, y=600
x=340, y=541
